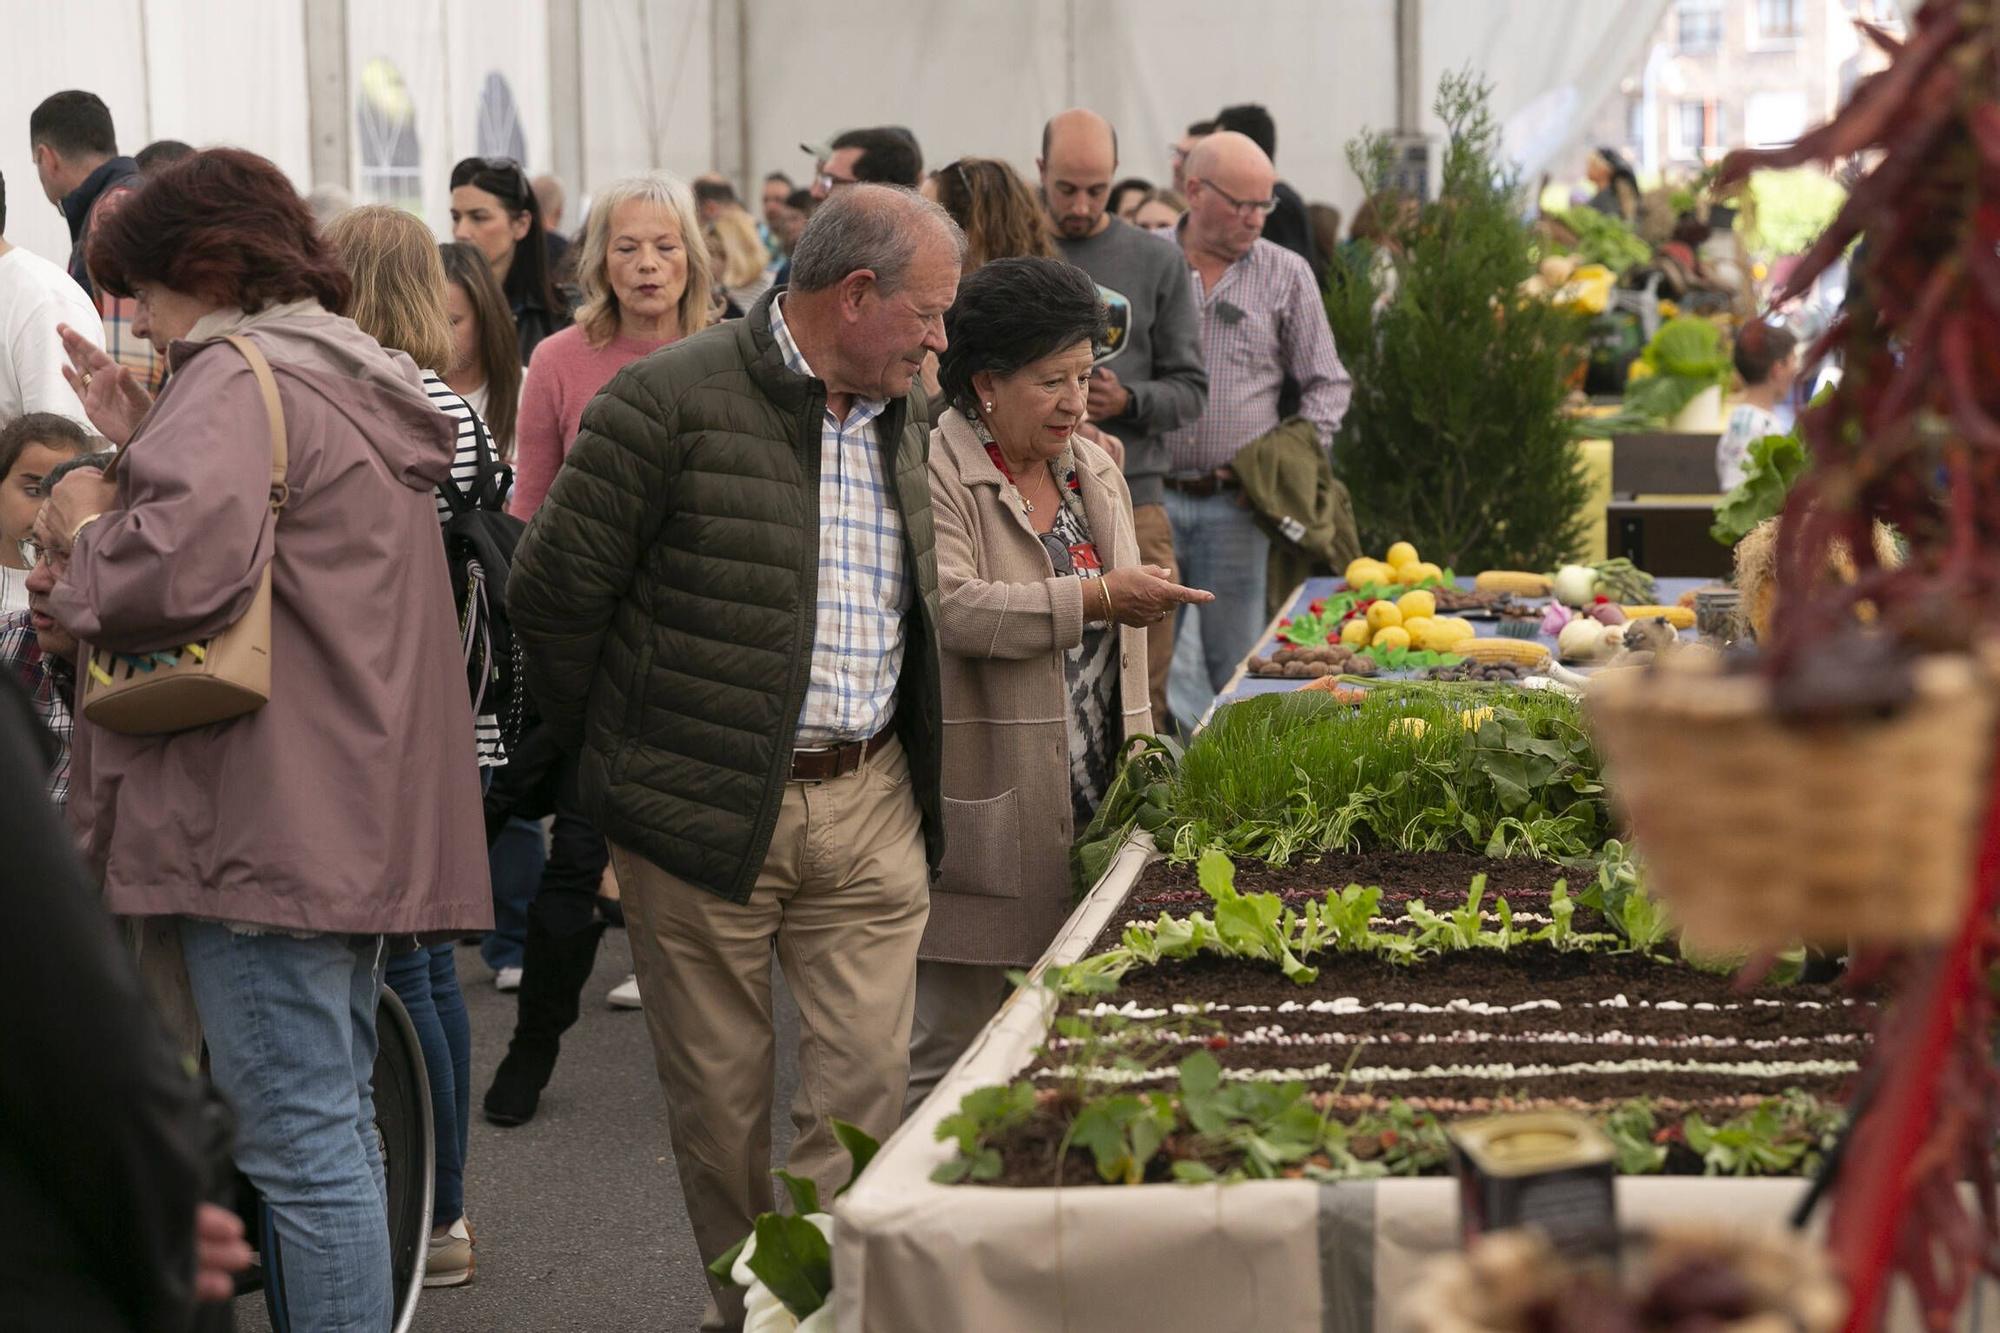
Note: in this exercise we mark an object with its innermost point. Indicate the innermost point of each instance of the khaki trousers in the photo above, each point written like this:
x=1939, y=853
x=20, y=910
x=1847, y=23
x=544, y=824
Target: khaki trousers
x=1156, y=547
x=843, y=894
x=954, y=1001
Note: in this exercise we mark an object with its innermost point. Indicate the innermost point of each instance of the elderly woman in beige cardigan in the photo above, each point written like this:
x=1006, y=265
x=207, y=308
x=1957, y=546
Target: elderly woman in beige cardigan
x=1044, y=611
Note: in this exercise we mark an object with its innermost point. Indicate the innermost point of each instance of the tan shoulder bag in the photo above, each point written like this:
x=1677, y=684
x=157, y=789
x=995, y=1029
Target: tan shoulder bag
x=214, y=679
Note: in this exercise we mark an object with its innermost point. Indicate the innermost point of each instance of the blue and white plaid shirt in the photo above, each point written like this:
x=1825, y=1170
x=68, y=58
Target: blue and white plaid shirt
x=864, y=589
x=49, y=685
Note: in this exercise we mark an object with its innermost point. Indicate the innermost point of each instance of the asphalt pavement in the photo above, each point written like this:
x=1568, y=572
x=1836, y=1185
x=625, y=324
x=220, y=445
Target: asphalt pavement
x=578, y=1213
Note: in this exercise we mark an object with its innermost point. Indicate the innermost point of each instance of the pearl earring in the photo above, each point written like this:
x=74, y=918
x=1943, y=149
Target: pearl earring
x=987, y=406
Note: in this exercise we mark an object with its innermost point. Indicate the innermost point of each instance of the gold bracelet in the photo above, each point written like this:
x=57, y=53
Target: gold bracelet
x=77, y=531
x=1110, y=607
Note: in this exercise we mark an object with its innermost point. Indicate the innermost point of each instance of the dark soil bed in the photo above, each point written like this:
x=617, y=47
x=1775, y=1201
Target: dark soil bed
x=1439, y=879
x=1466, y=1033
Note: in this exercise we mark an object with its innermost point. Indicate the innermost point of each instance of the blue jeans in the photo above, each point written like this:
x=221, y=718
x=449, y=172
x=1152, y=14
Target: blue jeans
x=290, y=1025
x=1222, y=549
x=426, y=981
x=516, y=860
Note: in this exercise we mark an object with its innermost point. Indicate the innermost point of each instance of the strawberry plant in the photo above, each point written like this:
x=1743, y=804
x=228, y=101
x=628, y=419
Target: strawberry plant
x=984, y=1115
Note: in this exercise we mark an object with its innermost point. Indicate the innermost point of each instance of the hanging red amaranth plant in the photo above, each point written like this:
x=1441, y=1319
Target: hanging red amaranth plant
x=1911, y=438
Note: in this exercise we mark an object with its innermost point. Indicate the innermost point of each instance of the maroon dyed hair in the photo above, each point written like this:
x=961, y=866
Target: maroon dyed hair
x=224, y=225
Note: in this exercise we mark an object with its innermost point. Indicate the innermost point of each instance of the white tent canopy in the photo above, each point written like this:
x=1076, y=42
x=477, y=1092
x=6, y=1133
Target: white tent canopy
x=382, y=96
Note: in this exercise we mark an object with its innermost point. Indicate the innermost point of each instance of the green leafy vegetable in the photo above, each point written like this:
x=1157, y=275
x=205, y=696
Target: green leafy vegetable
x=792, y=1259
x=1769, y=469
x=1603, y=239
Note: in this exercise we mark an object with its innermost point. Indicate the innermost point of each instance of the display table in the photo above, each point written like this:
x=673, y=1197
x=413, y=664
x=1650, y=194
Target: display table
x=1242, y=685
x=1289, y=1256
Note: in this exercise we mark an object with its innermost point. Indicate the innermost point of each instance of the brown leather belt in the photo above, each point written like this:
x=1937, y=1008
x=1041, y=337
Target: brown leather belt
x=838, y=762
x=1200, y=488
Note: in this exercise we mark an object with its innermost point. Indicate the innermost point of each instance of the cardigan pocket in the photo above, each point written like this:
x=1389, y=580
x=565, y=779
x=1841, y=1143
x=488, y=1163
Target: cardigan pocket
x=982, y=847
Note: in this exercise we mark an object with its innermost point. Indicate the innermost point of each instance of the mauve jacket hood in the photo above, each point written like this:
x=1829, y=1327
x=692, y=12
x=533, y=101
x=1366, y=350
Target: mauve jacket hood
x=380, y=390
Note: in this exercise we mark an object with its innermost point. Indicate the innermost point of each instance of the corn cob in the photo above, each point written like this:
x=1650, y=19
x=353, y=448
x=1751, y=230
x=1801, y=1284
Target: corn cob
x=1677, y=616
x=1512, y=580
x=1502, y=650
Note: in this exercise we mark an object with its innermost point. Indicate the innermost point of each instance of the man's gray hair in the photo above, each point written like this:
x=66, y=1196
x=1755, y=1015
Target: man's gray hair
x=876, y=227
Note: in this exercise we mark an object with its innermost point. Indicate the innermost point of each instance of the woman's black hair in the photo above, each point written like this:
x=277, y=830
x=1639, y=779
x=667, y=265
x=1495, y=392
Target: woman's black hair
x=529, y=280
x=57, y=432
x=1130, y=185
x=1012, y=312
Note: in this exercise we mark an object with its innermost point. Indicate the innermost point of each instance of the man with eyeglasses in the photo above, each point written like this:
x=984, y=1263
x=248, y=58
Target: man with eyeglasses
x=1148, y=378
x=728, y=603
x=882, y=155
x=1262, y=319
x=36, y=649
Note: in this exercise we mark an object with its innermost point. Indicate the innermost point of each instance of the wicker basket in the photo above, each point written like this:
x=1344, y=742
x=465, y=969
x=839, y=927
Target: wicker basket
x=1757, y=833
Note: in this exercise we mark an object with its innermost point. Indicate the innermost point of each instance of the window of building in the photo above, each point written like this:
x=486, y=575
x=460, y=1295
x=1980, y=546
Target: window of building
x=500, y=121
x=1698, y=26
x=1773, y=118
x=1695, y=128
x=1779, y=21
x=392, y=165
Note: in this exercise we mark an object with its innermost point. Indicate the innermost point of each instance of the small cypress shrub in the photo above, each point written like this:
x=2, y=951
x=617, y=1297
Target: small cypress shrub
x=1456, y=438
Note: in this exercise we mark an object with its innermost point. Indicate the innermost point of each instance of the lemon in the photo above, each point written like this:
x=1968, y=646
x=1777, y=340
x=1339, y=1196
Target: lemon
x=1402, y=553
x=1460, y=627
x=1420, y=571
x=1382, y=615
x=1415, y=604
x=1416, y=726
x=1355, y=633
x=1416, y=625
x=1390, y=636
x=1366, y=573
x=1473, y=718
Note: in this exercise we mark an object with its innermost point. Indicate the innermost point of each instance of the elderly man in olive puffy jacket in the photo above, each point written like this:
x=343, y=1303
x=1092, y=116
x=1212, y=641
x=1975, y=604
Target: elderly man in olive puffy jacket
x=729, y=602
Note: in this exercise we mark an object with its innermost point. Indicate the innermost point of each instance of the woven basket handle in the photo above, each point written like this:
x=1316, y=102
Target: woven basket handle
x=268, y=386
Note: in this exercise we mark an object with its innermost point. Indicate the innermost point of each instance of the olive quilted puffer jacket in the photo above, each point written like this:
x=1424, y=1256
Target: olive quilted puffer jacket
x=665, y=593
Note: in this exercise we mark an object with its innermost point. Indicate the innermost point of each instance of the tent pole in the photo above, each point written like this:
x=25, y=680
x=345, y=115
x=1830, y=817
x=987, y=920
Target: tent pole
x=1409, y=67
x=330, y=154
x=729, y=108
x=566, y=95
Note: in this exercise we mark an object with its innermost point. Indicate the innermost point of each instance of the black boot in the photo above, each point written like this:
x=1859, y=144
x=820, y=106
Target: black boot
x=554, y=972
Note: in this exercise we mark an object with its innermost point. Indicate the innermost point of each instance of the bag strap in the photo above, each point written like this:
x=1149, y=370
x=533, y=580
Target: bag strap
x=268, y=386
x=490, y=477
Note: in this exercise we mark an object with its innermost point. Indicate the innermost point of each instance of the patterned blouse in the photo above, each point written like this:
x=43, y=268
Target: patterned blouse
x=1090, y=670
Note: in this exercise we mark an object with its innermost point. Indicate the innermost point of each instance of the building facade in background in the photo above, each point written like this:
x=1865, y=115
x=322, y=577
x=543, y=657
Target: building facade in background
x=1723, y=74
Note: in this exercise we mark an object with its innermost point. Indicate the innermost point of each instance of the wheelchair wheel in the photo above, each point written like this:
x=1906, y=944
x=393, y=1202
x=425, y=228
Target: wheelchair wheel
x=409, y=1155
x=403, y=1130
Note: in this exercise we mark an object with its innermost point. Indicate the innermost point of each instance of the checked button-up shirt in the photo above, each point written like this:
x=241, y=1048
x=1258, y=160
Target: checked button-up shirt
x=864, y=588
x=1263, y=319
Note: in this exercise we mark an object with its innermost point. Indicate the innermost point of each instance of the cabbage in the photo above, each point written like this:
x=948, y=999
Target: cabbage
x=1690, y=348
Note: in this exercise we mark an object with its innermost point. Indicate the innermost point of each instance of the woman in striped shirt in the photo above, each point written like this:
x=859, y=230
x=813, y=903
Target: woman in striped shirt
x=399, y=300
x=486, y=365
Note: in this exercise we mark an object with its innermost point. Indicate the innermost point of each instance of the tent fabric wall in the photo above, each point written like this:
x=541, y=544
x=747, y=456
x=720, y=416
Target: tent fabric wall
x=969, y=78
x=95, y=44
x=648, y=81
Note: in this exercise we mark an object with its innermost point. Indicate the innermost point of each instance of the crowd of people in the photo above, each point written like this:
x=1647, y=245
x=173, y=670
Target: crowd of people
x=786, y=582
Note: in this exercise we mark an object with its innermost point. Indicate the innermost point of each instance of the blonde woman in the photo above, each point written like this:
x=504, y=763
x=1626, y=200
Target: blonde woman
x=399, y=301
x=739, y=257
x=645, y=276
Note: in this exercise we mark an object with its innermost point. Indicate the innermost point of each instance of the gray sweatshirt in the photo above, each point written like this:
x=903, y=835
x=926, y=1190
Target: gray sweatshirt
x=1155, y=343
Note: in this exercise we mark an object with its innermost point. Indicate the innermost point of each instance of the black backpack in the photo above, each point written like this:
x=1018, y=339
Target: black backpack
x=479, y=541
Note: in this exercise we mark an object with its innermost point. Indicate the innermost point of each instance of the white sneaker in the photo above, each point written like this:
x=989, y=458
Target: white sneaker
x=507, y=978
x=451, y=1262
x=625, y=995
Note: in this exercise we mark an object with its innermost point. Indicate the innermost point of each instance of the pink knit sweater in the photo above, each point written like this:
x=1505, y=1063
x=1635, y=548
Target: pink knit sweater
x=563, y=376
